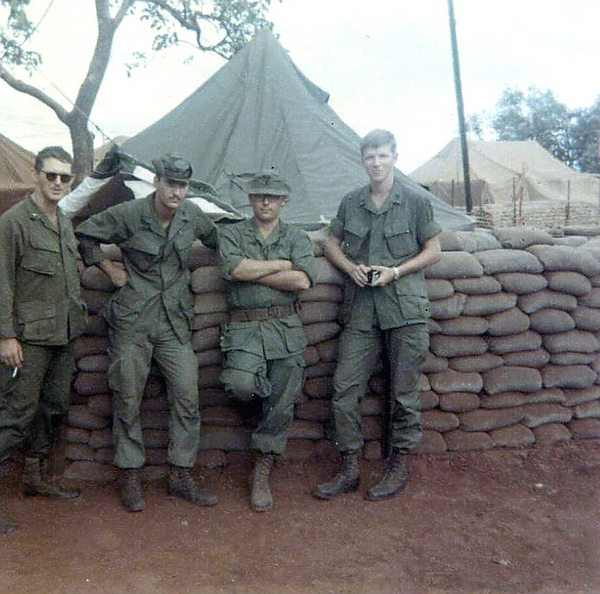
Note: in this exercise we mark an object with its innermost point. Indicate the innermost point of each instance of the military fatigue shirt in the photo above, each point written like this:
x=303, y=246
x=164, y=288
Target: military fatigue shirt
x=40, y=295
x=276, y=337
x=387, y=236
x=157, y=261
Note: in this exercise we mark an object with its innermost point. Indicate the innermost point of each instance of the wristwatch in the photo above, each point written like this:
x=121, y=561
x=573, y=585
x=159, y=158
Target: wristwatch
x=396, y=270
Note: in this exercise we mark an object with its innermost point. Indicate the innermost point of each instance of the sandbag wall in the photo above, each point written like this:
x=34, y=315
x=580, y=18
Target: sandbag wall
x=514, y=357
x=544, y=214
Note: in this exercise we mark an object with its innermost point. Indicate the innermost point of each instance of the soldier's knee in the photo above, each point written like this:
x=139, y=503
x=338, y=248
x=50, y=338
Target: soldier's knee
x=240, y=384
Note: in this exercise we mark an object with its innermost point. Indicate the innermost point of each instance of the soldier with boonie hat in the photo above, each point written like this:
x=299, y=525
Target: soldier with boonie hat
x=266, y=264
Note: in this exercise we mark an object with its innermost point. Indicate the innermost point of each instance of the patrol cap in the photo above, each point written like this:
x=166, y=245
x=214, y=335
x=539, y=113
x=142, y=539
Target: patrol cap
x=172, y=167
x=270, y=183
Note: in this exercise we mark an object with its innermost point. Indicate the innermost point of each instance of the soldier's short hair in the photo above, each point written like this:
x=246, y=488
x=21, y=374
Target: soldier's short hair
x=52, y=152
x=376, y=138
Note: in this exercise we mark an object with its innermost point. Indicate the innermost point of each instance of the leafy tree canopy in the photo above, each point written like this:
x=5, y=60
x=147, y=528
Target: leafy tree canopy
x=218, y=26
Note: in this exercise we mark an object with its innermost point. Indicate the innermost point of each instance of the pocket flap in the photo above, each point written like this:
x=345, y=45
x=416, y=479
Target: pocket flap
x=30, y=312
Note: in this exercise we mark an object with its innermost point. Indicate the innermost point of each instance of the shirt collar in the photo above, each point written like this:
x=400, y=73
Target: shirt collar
x=275, y=234
x=36, y=214
x=149, y=216
x=395, y=196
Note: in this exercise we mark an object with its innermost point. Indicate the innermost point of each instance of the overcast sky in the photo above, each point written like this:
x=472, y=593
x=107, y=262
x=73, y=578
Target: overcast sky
x=385, y=63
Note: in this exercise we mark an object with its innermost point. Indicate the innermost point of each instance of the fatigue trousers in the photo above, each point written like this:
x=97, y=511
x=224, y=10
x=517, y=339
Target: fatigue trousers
x=129, y=367
x=278, y=382
x=33, y=404
x=358, y=354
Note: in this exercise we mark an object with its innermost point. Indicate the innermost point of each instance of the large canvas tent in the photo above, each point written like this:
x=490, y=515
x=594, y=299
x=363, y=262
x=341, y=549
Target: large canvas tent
x=505, y=171
x=258, y=113
x=16, y=173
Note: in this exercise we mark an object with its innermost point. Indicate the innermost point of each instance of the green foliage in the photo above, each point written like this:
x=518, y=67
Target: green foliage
x=14, y=33
x=219, y=26
x=586, y=134
x=571, y=135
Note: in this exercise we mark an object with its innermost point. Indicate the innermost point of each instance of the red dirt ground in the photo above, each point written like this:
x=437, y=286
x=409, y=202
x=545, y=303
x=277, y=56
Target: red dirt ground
x=502, y=521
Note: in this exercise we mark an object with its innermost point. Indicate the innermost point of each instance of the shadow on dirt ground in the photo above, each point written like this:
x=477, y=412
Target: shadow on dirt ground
x=502, y=521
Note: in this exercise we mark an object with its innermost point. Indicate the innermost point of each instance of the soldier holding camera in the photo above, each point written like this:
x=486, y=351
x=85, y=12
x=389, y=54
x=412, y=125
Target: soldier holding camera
x=382, y=238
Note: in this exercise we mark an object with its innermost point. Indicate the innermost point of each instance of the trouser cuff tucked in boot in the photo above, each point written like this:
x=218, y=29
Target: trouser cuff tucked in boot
x=37, y=484
x=131, y=492
x=261, y=497
x=347, y=480
x=394, y=480
x=181, y=484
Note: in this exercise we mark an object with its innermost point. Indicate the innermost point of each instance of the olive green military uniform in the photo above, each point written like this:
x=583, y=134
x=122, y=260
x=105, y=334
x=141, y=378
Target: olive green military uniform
x=150, y=317
x=41, y=306
x=394, y=315
x=263, y=357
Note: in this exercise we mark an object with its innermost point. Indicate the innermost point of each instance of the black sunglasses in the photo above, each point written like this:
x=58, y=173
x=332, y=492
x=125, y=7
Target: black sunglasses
x=65, y=178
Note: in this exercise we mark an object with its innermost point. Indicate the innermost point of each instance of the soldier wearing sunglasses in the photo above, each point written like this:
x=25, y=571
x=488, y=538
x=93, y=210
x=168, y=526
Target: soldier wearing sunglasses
x=42, y=312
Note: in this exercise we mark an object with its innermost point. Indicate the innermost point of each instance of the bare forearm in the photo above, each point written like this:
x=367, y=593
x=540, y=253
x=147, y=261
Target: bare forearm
x=419, y=262
x=115, y=272
x=430, y=254
x=333, y=252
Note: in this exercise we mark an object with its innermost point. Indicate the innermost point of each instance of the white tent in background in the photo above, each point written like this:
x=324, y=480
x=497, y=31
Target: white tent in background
x=504, y=171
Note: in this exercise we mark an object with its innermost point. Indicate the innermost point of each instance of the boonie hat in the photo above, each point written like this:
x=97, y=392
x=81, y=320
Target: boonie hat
x=270, y=183
x=173, y=167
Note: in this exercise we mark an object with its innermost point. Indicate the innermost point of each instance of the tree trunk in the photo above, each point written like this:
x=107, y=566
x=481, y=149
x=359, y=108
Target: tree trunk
x=83, y=145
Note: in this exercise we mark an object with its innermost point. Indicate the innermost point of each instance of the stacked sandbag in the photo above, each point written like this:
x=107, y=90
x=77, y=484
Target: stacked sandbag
x=87, y=436
x=513, y=358
x=517, y=326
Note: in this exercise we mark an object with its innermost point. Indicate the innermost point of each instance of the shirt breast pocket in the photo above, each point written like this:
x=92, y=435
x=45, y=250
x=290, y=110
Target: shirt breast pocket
x=183, y=247
x=399, y=239
x=43, y=257
x=143, y=251
x=355, y=233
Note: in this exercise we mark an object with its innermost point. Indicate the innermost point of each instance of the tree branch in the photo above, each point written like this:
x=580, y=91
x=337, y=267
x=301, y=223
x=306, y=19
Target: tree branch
x=122, y=12
x=23, y=87
x=189, y=20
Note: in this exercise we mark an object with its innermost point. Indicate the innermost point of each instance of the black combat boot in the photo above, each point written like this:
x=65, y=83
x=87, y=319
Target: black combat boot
x=36, y=482
x=181, y=484
x=261, y=498
x=394, y=480
x=132, y=496
x=346, y=480
x=6, y=525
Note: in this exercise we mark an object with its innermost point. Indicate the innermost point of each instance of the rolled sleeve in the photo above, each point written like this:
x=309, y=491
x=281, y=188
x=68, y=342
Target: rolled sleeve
x=303, y=257
x=229, y=251
x=428, y=227
x=336, y=227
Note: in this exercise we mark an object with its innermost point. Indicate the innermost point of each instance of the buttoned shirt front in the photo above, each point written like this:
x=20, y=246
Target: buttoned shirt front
x=386, y=236
x=39, y=279
x=156, y=259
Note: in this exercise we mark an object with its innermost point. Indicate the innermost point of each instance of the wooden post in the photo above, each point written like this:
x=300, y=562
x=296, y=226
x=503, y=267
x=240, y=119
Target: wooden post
x=461, y=111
